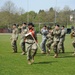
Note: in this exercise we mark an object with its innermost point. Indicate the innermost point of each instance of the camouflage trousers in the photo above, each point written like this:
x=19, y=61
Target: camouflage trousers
x=55, y=46
x=31, y=49
x=61, y=46
x=22, y=43
x=73, y=44
x=14, y=45
x=48, y=44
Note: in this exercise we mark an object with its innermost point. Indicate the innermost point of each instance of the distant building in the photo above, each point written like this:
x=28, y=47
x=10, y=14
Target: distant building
x=72, y=17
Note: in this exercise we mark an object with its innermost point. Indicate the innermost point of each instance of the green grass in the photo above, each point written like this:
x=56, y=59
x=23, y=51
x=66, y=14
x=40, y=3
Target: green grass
x=16, y=64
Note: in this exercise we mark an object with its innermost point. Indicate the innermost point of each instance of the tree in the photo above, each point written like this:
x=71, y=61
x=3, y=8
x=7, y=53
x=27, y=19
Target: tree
x=9, y=7
x=41, y=16
x=64, y=16
x=50, y=15
x=9, y=14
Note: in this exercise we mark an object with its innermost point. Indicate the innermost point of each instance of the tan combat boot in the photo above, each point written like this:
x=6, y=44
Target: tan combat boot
x=56, y=55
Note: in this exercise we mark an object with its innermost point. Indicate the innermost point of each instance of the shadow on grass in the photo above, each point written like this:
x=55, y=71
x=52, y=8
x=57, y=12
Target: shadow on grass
x=48, y=62
x=39, y=54
x=67, y=55
x=70, y=56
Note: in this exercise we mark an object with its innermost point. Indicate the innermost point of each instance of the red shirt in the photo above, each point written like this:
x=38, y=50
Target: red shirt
x=32, y=32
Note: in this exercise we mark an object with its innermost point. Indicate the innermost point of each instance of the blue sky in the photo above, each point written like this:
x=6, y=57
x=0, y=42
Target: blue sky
x=36, y=5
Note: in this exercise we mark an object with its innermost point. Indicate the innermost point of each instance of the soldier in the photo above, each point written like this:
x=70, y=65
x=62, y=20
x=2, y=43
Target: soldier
x=14, y=38
x=22, y=42
x=31, y=46
x=44, y=32
x=62, y=39
x=49, y=40
x=56, y=33
x=73, y=43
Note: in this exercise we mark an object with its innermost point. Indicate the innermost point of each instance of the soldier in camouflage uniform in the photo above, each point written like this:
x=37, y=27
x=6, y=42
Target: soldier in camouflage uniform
x=56, y=33
x=73, y=36
x=14, y=38
x=24, y=30
x=62, y=39
x=49, y=41
x=31, y=45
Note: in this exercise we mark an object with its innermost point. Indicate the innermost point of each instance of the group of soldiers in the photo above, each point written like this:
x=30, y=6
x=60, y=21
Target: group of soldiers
x=52, y=39
x=28, y=41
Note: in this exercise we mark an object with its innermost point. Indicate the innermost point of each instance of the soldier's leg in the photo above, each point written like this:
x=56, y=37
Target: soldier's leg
x=29, y=57
x=43, y=45
x=34, y=51
x=23, y=47
x=49, y=46
x=33, y=54
x=59, y=47
x=14, y=46
x=54, y=45
x=63, y=49
x=73, y=43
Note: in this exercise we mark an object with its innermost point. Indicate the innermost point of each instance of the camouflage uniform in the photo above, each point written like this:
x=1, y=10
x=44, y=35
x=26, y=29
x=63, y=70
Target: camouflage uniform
x=62, y=39
x=31, y=45
x=14, y=39
x=56, y=34
x=49, y=41
x=22, y=42
x=73, y=42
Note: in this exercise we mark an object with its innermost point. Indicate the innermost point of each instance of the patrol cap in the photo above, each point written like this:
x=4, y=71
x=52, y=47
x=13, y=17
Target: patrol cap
x=31, y=24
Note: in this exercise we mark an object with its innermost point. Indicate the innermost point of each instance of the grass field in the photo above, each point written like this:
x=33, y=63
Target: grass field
x=16, y=64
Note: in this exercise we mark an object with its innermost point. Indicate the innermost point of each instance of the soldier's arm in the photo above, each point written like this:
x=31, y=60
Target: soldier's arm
x=47, y=36
x=58, y=32
x=54, y=32
x=17, y=34
x=41, y=31
x=11, y=37
x=62, y=33
x=74, y=34
x=35, y=37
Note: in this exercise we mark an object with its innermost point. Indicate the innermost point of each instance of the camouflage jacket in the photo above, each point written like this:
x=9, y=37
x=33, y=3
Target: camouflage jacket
x=31, y=37
x=50, y=36
x=23, y=32
x=62, y=36
x=14, y=34
x=56, y=34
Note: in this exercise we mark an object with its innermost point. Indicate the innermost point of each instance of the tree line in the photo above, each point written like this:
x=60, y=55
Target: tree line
x=10, y=14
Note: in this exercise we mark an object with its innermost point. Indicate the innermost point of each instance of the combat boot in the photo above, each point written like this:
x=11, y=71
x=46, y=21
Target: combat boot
x=23, y=53
x=56, y=55
x=43, y=52
x=29, y=62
